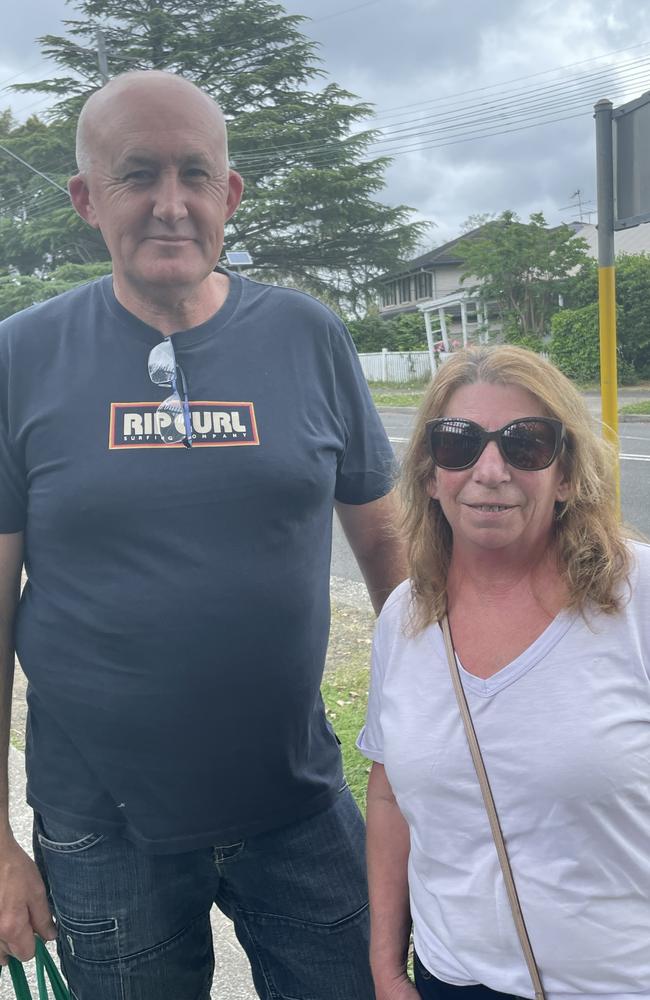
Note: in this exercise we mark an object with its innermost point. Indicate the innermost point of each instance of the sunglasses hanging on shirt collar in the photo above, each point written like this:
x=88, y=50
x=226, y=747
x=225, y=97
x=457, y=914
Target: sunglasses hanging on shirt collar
x=173, y=421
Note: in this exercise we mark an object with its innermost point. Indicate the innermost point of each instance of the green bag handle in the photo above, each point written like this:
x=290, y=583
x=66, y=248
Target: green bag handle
x=45, y=966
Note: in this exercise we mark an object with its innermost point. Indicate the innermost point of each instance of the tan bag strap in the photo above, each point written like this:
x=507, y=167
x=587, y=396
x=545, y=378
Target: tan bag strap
x=490, y=807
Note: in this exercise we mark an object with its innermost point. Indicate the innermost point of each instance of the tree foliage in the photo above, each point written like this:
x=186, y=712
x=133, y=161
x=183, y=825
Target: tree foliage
x=38, y=228
x=309, y=215
x=575, y=346
x=19, y=291
x=523, y=267
x=633, y=306
x=400, y=333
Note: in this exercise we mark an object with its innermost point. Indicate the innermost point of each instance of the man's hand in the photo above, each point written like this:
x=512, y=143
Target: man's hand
x=24, y=909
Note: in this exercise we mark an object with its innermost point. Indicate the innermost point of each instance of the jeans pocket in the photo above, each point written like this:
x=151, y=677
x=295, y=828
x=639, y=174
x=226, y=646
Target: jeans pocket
x=89, y=940
x=221, y=855
x=64, y=839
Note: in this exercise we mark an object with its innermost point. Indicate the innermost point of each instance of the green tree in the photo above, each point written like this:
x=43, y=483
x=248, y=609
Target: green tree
x=38, y=228
x=309, y=215
x=19, y=291
x=523, y=267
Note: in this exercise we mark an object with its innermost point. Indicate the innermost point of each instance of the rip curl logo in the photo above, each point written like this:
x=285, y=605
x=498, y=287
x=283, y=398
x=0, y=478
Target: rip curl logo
x=214, y=425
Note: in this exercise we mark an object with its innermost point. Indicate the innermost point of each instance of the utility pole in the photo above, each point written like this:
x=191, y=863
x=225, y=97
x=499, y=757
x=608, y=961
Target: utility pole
x=101, y=56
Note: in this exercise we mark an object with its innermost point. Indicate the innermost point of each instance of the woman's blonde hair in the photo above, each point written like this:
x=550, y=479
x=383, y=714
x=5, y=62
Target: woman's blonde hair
x=592, y=553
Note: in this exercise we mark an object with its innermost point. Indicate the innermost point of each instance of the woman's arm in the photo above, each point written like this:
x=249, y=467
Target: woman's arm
x=390, y=918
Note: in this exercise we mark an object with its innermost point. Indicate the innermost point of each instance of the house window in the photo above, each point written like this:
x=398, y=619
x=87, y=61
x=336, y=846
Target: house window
x=404, y=289
x=424, y=285
x=389, y=295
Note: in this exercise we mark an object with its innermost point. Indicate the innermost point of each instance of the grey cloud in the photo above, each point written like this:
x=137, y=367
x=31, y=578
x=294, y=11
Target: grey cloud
x=398, y=53
x=28, y=19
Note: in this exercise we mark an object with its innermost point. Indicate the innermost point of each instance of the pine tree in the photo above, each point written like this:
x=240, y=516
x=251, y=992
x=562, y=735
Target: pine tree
x=310, y=214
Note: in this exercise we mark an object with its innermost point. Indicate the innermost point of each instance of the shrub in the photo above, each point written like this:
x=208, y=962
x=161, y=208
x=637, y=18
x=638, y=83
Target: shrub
x=403, y=333
x=575, y=346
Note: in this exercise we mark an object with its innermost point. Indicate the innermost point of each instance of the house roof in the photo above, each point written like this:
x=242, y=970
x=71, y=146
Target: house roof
x=445, y=254
x=636, y=240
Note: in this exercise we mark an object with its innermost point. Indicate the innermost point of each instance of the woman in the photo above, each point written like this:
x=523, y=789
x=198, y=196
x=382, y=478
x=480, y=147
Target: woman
x=515, y=535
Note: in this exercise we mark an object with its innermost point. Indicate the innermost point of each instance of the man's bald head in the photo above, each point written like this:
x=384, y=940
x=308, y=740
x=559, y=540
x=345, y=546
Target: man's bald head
x=156, y=89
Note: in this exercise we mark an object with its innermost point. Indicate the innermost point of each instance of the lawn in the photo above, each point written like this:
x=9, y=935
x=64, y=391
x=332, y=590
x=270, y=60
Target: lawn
x=397, y=393
x=345, y=689
x=345, y=693
x=642, y=407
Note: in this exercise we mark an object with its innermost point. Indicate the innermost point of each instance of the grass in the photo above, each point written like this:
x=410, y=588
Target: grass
x=384, y=398
x=345, y=693
x=398, y=393
x=643, y=407
x=345, y=689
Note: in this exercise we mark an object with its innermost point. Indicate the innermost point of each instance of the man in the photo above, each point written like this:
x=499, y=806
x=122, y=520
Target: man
x=171, y=445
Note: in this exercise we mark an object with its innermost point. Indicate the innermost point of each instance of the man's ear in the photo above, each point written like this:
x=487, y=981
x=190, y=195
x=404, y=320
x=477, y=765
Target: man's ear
x=81, y=200
x=235, y=191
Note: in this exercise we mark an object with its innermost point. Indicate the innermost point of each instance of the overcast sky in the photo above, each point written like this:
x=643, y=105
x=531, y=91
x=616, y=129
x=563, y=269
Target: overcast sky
x=440, y=71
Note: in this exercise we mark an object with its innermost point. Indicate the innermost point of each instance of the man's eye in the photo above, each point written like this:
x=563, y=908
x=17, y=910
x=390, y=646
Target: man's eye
x=138, y=175
x=196, y=173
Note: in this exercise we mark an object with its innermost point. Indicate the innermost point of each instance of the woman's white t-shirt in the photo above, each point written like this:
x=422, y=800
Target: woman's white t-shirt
x=565, y=734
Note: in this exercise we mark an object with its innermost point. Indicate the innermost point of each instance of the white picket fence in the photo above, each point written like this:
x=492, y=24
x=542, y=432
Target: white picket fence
x=395, y=366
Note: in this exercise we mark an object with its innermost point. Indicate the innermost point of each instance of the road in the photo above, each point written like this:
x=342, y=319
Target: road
x=635, y=479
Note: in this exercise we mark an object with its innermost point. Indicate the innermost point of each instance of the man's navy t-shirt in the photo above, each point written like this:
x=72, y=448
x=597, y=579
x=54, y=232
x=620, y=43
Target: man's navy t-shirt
x=174, y=626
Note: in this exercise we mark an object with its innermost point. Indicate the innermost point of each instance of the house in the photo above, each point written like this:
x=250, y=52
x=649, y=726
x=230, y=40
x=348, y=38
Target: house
x=434, y=275
x=431, y=284
x=437, y=274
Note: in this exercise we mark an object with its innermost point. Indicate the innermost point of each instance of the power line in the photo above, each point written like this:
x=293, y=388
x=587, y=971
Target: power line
x=33, y=169
x=476, y=115
x=348, y=10
x=519, y=79
x=561, y=91
x=600, y=78
x=28, y=204
x=21, y=73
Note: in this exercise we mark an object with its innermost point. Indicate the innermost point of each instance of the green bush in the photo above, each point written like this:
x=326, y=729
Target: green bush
x=513, y=335
x=575, y=346
x=403, y=333
x=633, y=298
x=633, y=302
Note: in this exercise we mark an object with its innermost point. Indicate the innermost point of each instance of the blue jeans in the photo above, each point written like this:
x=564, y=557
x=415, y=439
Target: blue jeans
x=135, y=926
x=431, y=988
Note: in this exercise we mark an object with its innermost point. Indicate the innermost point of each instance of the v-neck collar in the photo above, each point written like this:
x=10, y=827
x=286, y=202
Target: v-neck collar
x=511, y=672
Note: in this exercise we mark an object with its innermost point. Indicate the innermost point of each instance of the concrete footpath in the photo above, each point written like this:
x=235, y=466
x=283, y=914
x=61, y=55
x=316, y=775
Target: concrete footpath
x=232, y=980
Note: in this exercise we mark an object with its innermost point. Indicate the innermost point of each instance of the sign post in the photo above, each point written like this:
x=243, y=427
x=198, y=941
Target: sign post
x=606, y=270
x=623, y=182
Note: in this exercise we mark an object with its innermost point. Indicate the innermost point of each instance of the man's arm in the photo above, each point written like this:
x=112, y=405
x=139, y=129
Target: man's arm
x=390, y=918
x=373, y=533
x=23, y=902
